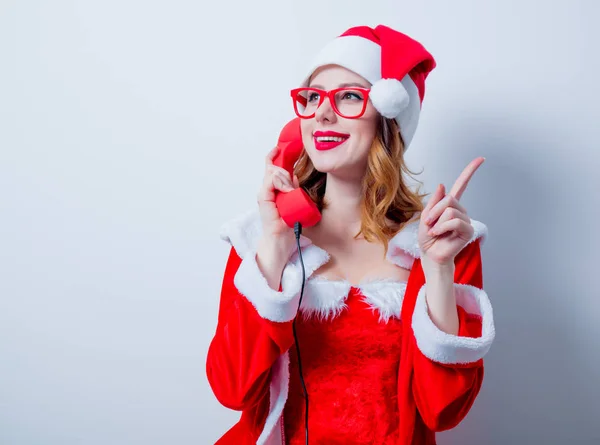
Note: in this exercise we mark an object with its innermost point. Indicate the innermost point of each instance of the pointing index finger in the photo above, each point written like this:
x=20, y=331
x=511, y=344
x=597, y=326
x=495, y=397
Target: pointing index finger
x=461, y=183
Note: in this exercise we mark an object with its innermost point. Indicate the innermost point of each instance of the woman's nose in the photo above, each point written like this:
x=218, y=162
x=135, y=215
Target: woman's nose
x=325, y=111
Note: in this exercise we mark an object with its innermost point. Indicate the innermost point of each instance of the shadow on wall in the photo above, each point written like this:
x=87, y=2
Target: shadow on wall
x=540, y=380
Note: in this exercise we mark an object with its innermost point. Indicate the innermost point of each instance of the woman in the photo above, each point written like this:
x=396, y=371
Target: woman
x=393, y=323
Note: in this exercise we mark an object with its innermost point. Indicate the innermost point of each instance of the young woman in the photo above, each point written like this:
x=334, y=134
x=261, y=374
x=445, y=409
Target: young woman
x=394, y=322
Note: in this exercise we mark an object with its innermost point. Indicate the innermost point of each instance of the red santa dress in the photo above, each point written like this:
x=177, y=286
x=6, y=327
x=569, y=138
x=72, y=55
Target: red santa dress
x=376, y=368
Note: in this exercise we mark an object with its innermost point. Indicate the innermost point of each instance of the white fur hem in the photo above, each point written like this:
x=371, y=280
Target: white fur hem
x=278, y=393
x=269, y=303
x=445, y=348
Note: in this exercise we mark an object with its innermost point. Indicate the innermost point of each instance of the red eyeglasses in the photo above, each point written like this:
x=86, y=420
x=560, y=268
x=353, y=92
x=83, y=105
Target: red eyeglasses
x=349, y=103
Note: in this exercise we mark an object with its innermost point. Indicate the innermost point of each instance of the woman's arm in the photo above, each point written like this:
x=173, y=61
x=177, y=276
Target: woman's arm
x=441, y=301
x=247, y=341
x=448, y=358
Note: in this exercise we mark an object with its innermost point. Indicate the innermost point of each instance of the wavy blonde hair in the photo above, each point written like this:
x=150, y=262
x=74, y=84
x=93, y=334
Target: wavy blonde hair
x=388, y=203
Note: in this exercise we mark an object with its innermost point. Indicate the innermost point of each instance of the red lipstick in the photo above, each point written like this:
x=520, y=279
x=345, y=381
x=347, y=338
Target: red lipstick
x=326, y=140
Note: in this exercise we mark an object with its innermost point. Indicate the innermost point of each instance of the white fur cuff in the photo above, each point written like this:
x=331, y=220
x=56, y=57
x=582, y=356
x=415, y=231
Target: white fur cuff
x=270, y=304
x=452, y=349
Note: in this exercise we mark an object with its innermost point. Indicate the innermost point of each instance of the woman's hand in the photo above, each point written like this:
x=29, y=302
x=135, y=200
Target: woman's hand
x=278, y=240
x=445, y=228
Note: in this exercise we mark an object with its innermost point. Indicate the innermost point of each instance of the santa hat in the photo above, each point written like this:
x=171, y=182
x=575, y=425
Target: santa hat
x=394, y=64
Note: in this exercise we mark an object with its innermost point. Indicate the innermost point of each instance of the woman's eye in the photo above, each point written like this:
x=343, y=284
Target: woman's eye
x=313, y=97
x=352, y=95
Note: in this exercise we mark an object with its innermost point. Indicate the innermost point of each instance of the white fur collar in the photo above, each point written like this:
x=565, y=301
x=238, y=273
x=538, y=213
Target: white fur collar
x=325, y=298
x=244, y=230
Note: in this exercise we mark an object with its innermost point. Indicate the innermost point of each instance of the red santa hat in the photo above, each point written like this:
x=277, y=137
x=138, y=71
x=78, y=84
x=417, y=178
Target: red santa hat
x=395, y=64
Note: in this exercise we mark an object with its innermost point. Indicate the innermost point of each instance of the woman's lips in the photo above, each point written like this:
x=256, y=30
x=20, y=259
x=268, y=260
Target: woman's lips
x=328, y=145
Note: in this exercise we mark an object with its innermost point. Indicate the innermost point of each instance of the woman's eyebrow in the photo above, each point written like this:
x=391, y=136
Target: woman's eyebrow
x=342, y=85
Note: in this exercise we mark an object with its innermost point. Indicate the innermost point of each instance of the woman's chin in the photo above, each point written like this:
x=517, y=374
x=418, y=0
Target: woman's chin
x=325, y=161
x=340, y=169
x=325, y=167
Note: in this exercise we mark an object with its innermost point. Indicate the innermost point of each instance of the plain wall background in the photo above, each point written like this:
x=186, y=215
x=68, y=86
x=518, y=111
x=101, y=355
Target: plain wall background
x=131, y=130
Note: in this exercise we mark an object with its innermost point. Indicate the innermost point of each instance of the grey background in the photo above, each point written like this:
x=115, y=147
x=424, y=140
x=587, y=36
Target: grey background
x=130, y=130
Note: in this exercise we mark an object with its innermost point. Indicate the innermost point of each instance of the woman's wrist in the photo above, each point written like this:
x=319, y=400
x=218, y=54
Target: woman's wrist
x=270, y=248
x=271, y=260
x=433, y=269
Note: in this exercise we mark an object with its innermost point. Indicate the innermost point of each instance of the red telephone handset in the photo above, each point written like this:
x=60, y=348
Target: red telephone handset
x=295, y=206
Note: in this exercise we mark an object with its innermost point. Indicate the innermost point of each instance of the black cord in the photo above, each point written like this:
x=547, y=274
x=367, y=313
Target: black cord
x=298, y=231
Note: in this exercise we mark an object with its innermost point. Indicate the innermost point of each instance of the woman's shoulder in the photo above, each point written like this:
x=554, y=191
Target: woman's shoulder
x=243, y=230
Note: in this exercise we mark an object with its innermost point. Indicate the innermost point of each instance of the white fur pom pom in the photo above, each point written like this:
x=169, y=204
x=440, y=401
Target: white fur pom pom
x=389, y=97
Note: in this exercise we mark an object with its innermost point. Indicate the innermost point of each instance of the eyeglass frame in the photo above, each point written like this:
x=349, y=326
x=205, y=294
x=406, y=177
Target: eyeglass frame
x=331, y=95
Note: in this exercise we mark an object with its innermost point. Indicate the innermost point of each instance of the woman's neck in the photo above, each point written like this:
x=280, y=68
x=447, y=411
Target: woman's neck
x=343, y=212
